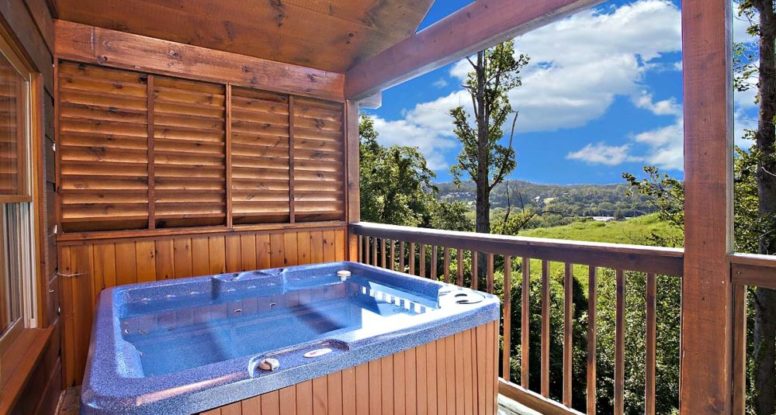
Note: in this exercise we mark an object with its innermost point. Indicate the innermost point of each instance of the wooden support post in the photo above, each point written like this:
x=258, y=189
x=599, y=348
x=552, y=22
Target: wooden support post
x=707, y=294
x=352, y=190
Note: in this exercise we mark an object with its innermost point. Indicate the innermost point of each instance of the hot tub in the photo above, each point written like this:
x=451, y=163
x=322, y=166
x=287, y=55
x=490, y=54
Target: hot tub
x=191, y=345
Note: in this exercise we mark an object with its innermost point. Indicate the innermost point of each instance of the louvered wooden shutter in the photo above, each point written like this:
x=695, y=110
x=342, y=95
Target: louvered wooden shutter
x=189, y=153
x=141, y=151
x=319, y=192
x=103, y=148
x=260, y=158
x=11, y=129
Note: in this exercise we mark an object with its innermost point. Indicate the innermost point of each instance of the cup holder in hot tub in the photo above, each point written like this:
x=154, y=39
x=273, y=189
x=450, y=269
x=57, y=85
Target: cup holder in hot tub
x=468, y=297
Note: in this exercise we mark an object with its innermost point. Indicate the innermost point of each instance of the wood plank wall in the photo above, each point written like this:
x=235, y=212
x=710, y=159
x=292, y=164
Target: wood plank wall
x=31, y=24
x=144, y=151
x=96, y=265
x=453, y=375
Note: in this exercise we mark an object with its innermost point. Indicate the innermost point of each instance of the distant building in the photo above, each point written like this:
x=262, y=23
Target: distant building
x=602, y=218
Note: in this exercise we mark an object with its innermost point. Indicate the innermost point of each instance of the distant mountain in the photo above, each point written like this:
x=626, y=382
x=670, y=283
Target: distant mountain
x=565, y=200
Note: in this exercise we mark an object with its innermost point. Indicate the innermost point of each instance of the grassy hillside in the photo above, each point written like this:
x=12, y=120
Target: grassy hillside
x=632, y=231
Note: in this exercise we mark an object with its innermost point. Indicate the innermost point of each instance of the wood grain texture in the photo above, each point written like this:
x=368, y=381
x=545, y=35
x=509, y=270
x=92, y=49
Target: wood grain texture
x=428, y=379
x=707, y=292
x=142, y=151
x=104, y=264
x=327, y=35
x=95, y=45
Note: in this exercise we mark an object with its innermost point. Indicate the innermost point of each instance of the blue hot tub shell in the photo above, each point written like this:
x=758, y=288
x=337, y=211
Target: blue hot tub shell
x=372, y=314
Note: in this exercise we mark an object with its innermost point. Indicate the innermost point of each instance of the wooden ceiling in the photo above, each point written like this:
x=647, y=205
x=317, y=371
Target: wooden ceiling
x=332, y=35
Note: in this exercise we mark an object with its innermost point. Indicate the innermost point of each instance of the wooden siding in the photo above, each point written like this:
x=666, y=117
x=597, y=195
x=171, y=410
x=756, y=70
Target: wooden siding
x=96, y=265
x=143, y=151
x=453, y=375
x=30, y=22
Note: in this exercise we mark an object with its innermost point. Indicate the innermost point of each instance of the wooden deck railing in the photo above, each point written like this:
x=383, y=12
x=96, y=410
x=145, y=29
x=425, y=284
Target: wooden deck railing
x=406, y=249
x=748, y=271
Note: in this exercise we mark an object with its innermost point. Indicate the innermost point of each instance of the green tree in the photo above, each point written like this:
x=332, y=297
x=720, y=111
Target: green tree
x=495, y=72
x=397, y=187
x=396, y=183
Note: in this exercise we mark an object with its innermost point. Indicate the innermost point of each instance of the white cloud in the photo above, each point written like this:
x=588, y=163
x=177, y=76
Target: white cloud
x=664, y=107
x=600, y=153
x=440, y=83
x=578, y=67
x=580, y=64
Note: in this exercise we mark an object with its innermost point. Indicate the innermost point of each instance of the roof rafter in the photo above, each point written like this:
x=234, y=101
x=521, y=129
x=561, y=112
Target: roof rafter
x=475, y=27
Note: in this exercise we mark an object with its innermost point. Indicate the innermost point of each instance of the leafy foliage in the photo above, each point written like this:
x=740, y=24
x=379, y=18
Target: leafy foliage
x=397, y=187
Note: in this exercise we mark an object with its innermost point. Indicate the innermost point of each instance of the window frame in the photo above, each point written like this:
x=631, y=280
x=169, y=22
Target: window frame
x=27, y=214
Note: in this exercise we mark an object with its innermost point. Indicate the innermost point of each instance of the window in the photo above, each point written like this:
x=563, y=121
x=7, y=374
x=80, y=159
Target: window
x=17, y=288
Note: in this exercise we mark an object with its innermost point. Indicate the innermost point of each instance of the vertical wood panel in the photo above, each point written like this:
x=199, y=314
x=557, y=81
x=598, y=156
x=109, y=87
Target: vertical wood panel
x=270, y=403
x=387, y=384
x=375, y=387
x=287, y=398
x=320, y=396
x=182, y=251
x=277, y=244
x=568, y=331
x=233, y=253
x=290, y=244
x=651, y=341
x=349, y=391
x=126, y=265
x=165, y=259
x=334, y=397
x=507, y=316
x=619, y=345
x=145, y=252
x=525, y=323
x=263, y=251
x=411, y=381
x=592, y=301
x=545, y=341
x=247, y=252
x=362, y=389
x=217, y=253
x=399, y=379
x=329, y=246
x=200, y=256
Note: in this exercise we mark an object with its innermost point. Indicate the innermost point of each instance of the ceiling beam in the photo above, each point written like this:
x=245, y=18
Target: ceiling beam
x=477, y=26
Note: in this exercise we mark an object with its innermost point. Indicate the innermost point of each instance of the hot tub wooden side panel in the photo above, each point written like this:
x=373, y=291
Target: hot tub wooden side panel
x=96, y=265
x=453, y=375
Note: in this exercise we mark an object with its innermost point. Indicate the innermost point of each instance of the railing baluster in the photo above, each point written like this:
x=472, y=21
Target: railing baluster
x=402, y=263
x=422, y=259
x=649, y=388
x=507, y=335
x=447, y=264
x=475, y=283
x=619, y=346
x=360, y=254
x=739, y=349
x=489, y=277
x=545, y=352
x=592, y=294
x=382, y=251
x=434, y=262
x=568, y=330
x=411, y=258
x=374, y=251
x=525, y=329
x=391, y=252
x=459, y=259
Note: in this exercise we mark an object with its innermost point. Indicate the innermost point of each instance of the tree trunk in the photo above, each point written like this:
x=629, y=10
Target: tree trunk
x=765, y=300
x=482, y=180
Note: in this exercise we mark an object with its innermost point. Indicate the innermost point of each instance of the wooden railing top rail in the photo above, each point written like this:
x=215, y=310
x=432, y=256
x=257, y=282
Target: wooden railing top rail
x=752, y=269
x=668, y=261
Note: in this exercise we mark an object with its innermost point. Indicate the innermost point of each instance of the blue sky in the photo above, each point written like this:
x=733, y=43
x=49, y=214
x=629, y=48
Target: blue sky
x=601, y=96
